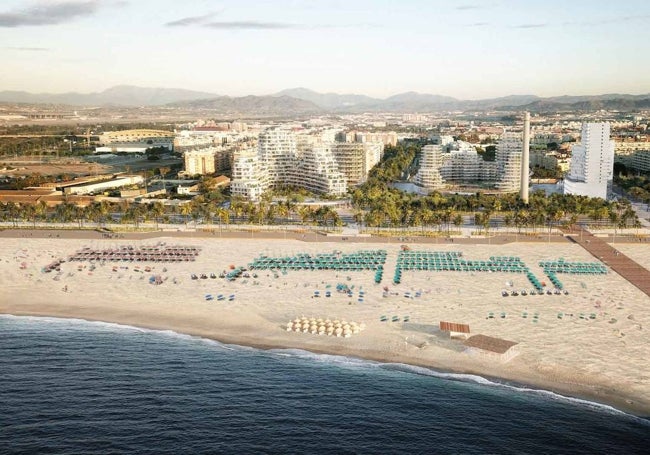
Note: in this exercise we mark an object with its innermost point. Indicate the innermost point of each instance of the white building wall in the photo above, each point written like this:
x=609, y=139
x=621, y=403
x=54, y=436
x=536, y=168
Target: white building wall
x=592, y=162
x=508, y=157
x=428, y=175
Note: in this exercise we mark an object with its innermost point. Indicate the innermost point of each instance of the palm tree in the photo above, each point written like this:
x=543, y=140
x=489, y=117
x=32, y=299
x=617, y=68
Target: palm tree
x=458, y=220
x=186, y=210
x=224, y=216
x=157, y=210
x=306, y=213
x=40, y=211
x=271, y=214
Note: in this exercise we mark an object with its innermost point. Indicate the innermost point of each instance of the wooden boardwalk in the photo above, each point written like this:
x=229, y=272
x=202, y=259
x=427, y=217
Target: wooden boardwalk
x=610, y=256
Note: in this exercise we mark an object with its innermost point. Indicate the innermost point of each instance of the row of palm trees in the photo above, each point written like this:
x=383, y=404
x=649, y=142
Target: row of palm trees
x=197, y=210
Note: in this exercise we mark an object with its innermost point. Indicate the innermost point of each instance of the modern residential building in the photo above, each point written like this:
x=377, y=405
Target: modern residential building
x=355, y=159
x=200, y=162
x=280, y=161
x=248, y=177
x=508, y=157
x=640, y=161
x=386, y=138
x=428, y=175
x=592, y=162
x=466, y=166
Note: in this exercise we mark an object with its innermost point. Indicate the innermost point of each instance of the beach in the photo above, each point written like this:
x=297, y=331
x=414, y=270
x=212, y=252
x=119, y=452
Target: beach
x=601, y=358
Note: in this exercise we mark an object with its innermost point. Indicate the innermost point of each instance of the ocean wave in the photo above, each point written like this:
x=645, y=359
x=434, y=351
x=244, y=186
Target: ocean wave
x=332, y=359
x=115, y=327
x=462, y=377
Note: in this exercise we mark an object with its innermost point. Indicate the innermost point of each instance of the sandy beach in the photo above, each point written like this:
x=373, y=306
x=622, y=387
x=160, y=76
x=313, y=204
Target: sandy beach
x=604, y=358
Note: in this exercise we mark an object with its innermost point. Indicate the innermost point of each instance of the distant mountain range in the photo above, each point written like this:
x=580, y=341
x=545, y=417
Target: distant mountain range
x=260, y=105
x=305, y=101
x=120, y=95
x=421, y=102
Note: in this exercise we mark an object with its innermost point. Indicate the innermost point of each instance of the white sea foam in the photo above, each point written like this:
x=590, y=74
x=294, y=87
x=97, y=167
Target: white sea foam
x=114, y=327
x=516, y=388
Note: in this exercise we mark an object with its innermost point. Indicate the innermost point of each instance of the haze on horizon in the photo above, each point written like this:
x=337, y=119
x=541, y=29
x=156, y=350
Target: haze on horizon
x=467, y=49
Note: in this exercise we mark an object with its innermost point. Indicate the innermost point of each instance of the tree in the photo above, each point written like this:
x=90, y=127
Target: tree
x=157, y=210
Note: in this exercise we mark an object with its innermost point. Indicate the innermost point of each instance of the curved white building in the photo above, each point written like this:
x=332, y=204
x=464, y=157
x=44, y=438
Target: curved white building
x=279, y=161
x=428, y=175
x=508, y=157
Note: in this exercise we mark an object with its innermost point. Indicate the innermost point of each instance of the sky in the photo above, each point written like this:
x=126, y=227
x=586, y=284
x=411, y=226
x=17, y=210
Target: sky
x=468, y=49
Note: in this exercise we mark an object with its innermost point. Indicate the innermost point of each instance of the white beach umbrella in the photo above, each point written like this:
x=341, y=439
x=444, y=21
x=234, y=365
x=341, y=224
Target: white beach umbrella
x=338, y=332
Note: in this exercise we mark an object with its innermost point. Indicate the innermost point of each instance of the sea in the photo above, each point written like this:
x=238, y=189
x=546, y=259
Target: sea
x=77, y=387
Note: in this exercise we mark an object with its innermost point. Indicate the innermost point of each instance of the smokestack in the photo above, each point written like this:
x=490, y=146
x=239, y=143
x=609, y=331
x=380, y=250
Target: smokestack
x=525, y=160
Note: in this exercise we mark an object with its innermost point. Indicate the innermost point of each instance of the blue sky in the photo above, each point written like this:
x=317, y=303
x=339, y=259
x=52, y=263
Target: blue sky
x=466, y=49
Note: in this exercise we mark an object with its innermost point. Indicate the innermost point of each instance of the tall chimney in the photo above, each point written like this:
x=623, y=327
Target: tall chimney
x=525, y=160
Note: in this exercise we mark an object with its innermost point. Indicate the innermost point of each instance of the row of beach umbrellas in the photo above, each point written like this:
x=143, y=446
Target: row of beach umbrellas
x=338, y=328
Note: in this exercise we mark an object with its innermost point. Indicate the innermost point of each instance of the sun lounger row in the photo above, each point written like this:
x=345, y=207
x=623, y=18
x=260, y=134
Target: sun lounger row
x=362, y=260
x=452, y=261
x=561, y=266
x=132, y=254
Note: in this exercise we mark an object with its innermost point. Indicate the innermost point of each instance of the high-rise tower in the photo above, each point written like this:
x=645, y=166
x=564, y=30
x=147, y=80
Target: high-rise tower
x=592, y=162
x=525, y=159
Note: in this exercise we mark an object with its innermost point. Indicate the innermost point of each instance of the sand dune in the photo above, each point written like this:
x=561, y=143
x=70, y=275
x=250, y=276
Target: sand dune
x=603, y=358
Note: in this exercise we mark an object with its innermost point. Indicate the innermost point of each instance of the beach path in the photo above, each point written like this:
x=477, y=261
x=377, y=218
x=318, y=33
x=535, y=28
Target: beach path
x=629, y=269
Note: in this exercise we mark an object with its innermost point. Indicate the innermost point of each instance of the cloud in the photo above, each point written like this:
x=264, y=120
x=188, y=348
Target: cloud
x=52, y=13
x=478, y=24
x=468, y=7
x=28, y=49
x=530, y=26
x=192, y=20
x=203, y=21
x=250, y=25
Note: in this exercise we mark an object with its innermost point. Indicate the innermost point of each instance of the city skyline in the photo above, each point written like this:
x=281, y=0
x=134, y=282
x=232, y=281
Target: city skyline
x=463, y=49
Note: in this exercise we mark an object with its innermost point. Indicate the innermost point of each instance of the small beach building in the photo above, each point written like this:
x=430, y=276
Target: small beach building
x=495, y=348
x=455, y=329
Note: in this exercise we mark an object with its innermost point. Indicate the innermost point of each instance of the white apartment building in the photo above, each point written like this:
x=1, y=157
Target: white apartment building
x=279, y=160
x=248, y=178
x=467, y=166
x=540, y=140
x=386, y=138
x=317, y=170
x=640, y=161
x=200, y=162
x=428, y=175
x=441, y=139
x=592, y=162
x=355, y=159
x=508, y=157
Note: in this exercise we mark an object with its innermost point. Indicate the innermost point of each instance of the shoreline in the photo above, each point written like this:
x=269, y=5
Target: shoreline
x=596, y=396
x=601, y=360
